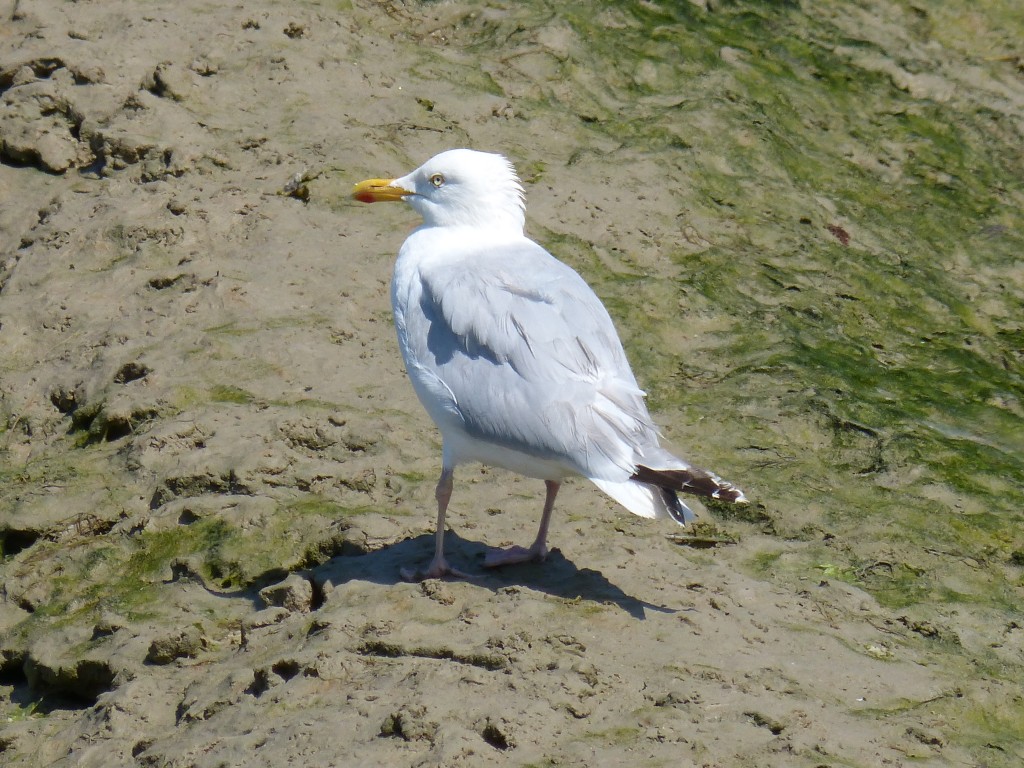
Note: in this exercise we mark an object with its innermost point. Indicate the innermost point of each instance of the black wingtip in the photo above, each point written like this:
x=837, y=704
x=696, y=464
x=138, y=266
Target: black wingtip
x=678, y=511
x=697, y=481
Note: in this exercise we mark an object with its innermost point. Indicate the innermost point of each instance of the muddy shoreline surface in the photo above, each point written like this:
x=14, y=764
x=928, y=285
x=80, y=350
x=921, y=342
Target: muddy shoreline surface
x=806, y=222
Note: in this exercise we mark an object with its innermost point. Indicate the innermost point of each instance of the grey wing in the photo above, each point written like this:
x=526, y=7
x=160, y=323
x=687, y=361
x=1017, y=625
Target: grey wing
x=532, y=360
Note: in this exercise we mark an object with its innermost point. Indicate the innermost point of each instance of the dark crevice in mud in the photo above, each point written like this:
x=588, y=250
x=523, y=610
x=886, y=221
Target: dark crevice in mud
x=99, y=162
x=189, y=486
x=12, y=668
x=47, y=688
x=13, y=541
x=41, y=68
x=286, y=669
x=82, y=416
x=187, y=517
x=384, y=649
x=100, y=426
x=319, y=595
x=327, y=549
x=263, y=678
x=221, y=580
x=116, y=429
x=64, y=399
x=17, y=160
x=496, y=737
x=131, y=371
x=260, y=683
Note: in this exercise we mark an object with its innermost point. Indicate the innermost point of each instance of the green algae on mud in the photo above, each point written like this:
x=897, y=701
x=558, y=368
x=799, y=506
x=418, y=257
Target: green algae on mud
x=890, y=347
x=128, y=575
x=228, y=393
x=857, y=261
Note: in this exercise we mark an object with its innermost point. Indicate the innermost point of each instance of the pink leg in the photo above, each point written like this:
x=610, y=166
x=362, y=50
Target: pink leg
x=538, y=551
x=438, y=566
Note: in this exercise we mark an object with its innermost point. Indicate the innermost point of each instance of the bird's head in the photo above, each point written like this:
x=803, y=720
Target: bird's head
x=460, y=187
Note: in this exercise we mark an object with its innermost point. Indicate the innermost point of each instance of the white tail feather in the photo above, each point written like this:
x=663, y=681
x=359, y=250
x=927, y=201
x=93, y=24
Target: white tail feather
x=640, y=499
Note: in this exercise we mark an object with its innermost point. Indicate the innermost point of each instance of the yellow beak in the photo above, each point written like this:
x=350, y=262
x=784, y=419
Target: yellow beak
x=378, y=191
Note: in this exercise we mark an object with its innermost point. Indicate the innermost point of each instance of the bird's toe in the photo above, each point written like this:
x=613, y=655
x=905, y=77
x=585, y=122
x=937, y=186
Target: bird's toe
x=495, y=558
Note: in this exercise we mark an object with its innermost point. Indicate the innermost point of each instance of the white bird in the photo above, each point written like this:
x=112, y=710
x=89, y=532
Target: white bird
x=514, y=357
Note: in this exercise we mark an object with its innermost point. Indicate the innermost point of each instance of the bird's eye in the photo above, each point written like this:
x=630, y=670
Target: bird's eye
x=437, y=180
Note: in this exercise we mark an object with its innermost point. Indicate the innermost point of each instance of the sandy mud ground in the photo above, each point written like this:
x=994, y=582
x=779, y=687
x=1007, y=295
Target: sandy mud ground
x=805, y=219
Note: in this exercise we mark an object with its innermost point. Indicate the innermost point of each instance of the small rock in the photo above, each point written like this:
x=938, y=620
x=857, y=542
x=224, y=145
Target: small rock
x=294, y=593
x=437, y=591
x=108, y=624
x=56, y=153
x=89, y=73
x=496, y=734
x=762, y=720
x=131, y=371
x=578, y=710
x=186, y=643
x=169, y=81
x=64, y=399
x=267, y=617
x=23, y=76
x=410, y=724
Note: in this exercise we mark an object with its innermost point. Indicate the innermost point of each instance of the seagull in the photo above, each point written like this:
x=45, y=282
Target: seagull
x=515, y=358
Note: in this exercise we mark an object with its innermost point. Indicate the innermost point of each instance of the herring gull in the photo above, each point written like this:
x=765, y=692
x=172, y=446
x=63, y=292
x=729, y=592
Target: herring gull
x=514, y=356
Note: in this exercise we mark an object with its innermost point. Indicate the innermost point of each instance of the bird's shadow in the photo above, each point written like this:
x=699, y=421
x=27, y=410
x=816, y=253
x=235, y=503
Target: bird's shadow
x=557, y=575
